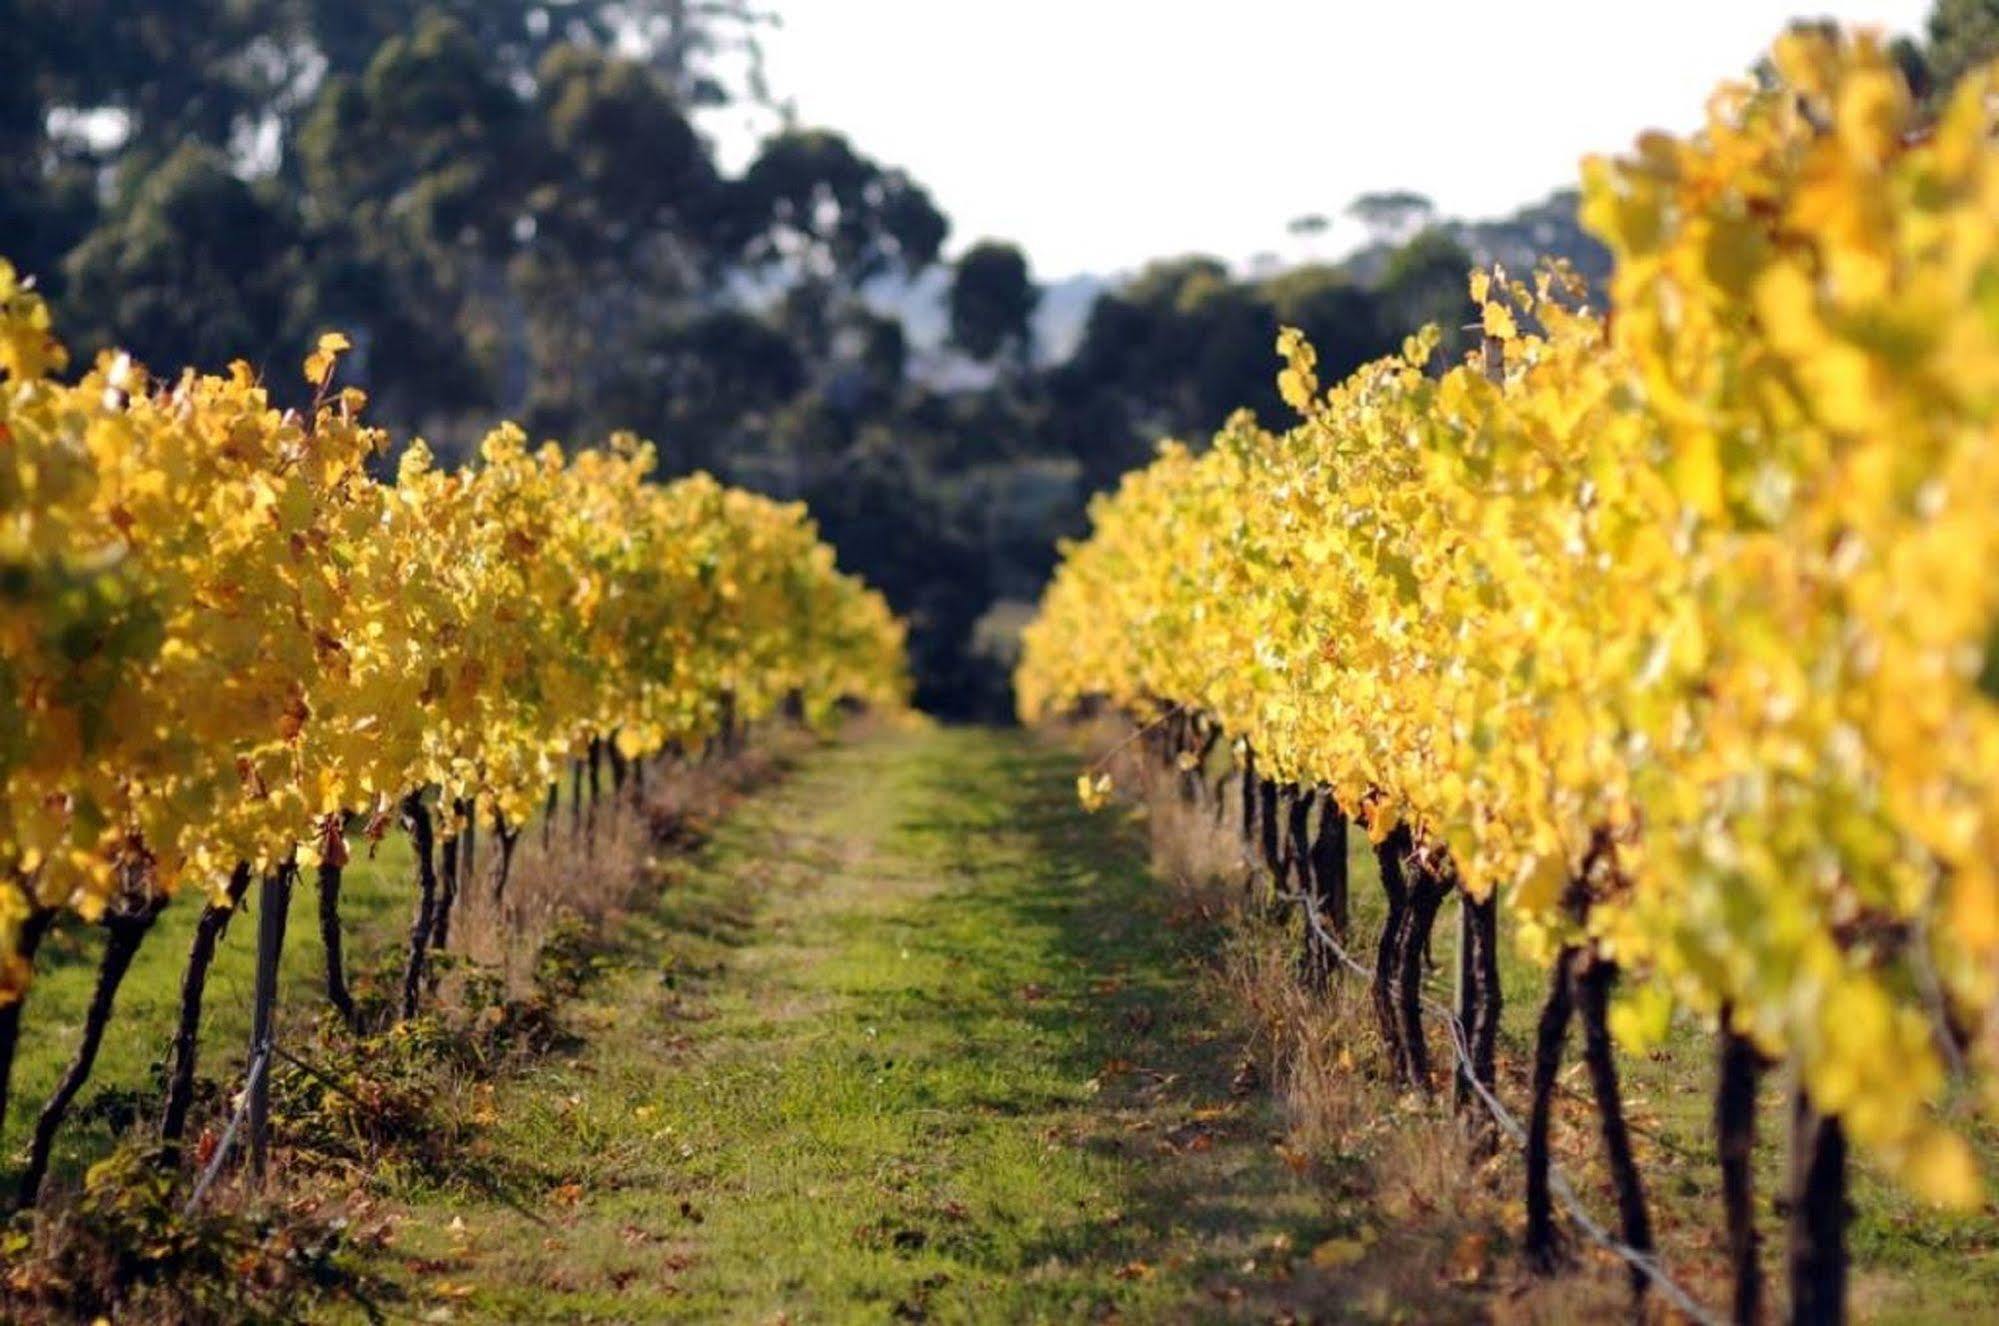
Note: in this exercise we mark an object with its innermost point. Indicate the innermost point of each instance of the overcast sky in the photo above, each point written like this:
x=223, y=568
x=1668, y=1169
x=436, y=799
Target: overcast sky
x=1100, y=133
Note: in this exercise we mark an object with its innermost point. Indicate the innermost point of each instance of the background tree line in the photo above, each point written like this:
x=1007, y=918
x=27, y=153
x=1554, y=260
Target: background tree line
x=511, y=207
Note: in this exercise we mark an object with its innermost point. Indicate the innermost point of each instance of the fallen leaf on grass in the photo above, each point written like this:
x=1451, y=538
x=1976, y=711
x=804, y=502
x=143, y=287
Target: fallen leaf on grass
x=1471, y=1259
x=1134, y=1270
x=567, y=1194
x=1335, y=1253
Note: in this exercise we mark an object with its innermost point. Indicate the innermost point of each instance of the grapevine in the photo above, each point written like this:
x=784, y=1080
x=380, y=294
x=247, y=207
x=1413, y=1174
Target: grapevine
x=1666, y=630
x=224, y=643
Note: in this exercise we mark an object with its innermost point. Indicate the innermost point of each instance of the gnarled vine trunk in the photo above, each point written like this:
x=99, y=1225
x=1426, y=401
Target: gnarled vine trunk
x=329, y=875
x=1392, y=854
x=1740, y=1066
x=593, y=761
x=1427, y=888
x=124, y=931
x=1297, y=837
x=33, y=929
x=1248, y=791
x=1593, y=986
x=417, y=823
x=1484, y=1001
x=620, y=767
x=447, y=889
x=509, y=836
x=1542, y=1245
x=1269, y=826
x=575, y=800
x=1328, y=859
x=183, y=1056
x=1819, y=1215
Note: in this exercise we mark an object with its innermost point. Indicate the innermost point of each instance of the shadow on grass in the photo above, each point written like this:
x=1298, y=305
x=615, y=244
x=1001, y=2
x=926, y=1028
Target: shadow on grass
x=1123, y=1011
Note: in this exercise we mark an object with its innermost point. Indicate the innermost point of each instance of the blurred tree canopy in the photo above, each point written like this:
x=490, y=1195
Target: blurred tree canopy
x=992, y=303
x=511, y=206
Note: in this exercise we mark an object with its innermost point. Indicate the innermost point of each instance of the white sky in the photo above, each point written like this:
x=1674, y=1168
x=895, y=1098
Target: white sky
x=1100, y=133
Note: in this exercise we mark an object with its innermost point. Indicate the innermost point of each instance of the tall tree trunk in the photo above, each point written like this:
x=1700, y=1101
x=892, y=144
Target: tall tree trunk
x=1428, y=887
x=548, y=814
x=417, y=823
x=33, y=930
x=1542, y=1246
x=1593, y=986
x=1392, y=854
x=182, y=1058
x=639, y=781
x=1818, y=1216
x=124, y=931
x=1741, y=1065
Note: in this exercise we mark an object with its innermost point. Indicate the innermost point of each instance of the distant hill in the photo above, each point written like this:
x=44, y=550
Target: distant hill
x=923, y=305
x=1544, y=229
x=1547, y=228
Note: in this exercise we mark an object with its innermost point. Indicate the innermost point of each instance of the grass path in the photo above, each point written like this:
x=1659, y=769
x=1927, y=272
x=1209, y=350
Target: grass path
x=913, y=1039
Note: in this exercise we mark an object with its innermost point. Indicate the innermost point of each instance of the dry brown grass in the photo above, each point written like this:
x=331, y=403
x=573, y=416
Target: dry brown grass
x=592, y=876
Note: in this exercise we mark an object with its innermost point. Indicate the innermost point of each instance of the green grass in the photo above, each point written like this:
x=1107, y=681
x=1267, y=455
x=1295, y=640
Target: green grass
x=375, y=902
x=913, y=1038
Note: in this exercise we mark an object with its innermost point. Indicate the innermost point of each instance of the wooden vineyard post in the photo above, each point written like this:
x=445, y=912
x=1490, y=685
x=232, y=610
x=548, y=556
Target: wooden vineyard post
x=274, y=898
